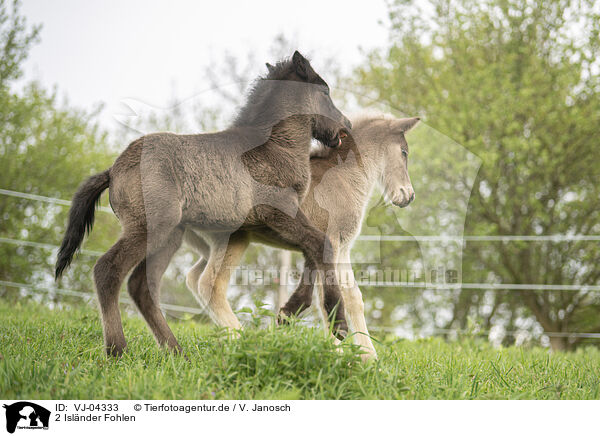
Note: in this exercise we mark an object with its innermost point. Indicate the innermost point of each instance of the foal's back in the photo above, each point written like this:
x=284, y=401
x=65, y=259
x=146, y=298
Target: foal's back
x=191, y=171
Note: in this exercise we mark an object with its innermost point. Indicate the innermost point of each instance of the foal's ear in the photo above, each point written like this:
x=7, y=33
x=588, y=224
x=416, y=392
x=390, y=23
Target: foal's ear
x=300, y=64
x=270, y=67
x=405, y=124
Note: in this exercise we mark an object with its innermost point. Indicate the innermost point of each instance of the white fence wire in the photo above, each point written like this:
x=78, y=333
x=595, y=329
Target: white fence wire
x=89, y=296
x=389, y=284
x=472, y=238
x=375, y=238
x=193, y=310
x=41, y=198
x=371, y=238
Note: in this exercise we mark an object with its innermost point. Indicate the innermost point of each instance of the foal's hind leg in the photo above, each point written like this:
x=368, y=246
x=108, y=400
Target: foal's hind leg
x=211, y=289
x=203, y=249
x=138, y=241
x=143, y=286
x=109, y=272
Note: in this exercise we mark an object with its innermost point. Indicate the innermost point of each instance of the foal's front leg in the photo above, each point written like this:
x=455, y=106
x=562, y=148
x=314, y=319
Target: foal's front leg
x=314, y=244
x=301, y=298
x=355, y=308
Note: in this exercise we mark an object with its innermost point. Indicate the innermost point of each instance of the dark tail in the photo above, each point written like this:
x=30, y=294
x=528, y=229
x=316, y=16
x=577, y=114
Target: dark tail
x=81, y=218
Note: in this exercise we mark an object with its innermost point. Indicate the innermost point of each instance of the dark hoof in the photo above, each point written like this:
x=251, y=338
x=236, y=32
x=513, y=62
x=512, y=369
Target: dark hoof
x=283, y=318
x=182, y=354
x=177, y=350
x=341, y=330
x=340, y=326
x=115, y=350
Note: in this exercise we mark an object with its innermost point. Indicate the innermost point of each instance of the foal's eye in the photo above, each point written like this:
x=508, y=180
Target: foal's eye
x=404, y=153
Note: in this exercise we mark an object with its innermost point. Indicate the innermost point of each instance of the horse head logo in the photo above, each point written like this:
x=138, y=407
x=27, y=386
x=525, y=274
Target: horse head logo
x=26, y=415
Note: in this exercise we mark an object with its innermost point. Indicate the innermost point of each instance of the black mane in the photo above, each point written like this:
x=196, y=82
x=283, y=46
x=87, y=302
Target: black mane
x=282, y=70
x=258, y=110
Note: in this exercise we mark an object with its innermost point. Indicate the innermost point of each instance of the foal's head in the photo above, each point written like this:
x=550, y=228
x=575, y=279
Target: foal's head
x=396, y=183
x=292, y=87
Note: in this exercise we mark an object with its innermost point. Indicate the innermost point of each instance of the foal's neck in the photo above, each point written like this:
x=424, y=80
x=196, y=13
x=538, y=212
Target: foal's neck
x=286, y=143
x=361, y=158
x=293, y=133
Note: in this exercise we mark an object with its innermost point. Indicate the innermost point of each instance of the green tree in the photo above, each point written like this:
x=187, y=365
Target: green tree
x=47, y=149
x=516, y=82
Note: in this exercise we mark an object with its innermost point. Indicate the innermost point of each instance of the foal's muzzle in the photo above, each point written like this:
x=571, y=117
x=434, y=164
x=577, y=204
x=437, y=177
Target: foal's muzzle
x=334, y=142
x=407, y=196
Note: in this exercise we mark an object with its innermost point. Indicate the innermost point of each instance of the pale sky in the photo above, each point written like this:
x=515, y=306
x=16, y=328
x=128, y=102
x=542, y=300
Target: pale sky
x=106, y=51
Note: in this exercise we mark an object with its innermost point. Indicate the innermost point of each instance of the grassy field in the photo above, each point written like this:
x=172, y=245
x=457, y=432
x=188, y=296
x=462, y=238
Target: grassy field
x=58, y=354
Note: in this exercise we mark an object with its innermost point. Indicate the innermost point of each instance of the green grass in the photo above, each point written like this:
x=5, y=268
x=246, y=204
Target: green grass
x=58, y=354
